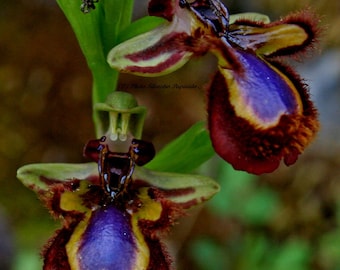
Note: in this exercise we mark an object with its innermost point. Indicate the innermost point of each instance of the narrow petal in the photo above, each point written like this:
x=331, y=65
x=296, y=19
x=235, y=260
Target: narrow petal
x=259, y=113
x=249, y=16
x=288, y=36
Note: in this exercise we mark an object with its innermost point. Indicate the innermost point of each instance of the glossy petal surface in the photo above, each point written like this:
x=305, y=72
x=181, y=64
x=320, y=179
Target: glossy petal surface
x=258, y=91
x=109, y=239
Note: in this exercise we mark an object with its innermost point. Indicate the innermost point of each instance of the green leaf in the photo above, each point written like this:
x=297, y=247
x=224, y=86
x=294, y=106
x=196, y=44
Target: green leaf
x=186, y=152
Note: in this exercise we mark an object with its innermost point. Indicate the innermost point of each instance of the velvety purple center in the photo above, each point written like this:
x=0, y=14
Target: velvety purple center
x=108, y=242
x=263, y=89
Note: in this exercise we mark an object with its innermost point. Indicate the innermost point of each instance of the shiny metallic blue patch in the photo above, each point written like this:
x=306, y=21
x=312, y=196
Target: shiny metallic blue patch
x=263, y=89
x=108, y=242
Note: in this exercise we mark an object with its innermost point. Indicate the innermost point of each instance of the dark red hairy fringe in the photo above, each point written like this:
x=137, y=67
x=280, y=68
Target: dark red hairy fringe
x=159, y=256
x=170, y=213
x=154, y=230
x=309, y=21
x=259, y=150
x=54, y=252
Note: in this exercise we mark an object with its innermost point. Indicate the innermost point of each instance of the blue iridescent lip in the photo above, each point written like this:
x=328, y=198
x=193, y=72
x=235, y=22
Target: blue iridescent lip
x=108, y=238
x=264, y=92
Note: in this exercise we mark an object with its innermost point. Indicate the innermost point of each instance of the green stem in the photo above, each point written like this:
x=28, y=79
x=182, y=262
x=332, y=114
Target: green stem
x=97, y=33
x=104, y=83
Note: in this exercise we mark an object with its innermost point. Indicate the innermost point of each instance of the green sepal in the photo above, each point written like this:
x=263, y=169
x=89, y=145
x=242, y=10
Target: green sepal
x=199, y=188
x=140, y=55
x=192, y=189
x=139, y=26
x=186, y=152
x=33, y=175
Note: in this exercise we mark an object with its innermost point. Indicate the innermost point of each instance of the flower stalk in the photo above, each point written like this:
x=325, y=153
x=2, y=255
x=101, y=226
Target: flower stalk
x=97, y=32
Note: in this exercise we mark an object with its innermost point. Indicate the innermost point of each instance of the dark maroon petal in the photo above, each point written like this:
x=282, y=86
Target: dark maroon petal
x=163, y=8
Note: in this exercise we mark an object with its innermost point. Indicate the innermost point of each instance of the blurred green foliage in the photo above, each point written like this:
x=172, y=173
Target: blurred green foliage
x=240, y=196
x=248, y=218
x=253, y=252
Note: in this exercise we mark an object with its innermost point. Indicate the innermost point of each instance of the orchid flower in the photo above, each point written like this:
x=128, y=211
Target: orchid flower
x=259, y=110
x=114, y=212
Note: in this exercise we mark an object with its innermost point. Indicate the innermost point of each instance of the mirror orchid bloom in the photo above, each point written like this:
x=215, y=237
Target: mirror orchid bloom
x=114, y=212
x=259, y=109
